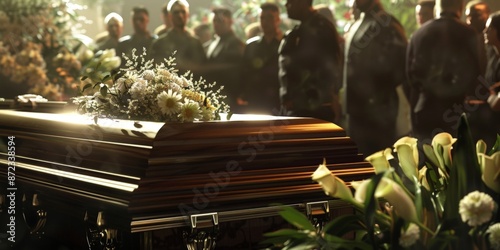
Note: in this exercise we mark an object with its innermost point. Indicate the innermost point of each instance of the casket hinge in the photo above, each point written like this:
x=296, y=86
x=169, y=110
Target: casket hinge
x=204, y=231
x=318, y=213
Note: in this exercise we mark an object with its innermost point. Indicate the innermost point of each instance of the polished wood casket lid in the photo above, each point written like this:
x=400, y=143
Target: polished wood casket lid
x=148, y=175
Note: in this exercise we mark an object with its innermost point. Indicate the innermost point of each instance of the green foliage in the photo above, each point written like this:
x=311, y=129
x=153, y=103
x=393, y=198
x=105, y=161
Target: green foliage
x=379, y=223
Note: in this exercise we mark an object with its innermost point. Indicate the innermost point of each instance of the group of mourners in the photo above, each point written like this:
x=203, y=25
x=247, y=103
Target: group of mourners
x=359, y=80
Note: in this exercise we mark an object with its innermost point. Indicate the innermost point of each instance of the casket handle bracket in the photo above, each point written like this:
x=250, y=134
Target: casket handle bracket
x=204, y=231
x=34, y=215
x=318, y=213
x=100, y=235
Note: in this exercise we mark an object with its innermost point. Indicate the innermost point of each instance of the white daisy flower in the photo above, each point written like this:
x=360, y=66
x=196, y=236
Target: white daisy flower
x=410, y=236
x=169, y=102
x=494, y=236
x=476, y=208
x=190, y=111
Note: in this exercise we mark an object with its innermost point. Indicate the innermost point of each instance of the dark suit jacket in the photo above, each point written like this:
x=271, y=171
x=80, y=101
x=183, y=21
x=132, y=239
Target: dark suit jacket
x=189, y=53
x=374, y=67
x=310, y=63
x=224, y=57
x=443, y=68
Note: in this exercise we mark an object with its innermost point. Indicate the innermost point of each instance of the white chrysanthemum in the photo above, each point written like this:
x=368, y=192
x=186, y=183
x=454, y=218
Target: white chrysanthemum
x=138, y=89
x=494, y=236
x=183, y=82
x=169, y=102
x=190, y=111
x=148, y=75
x=410, y=236
x=476, y=208
x=121, y=85
x=164, y=72
x=174, y=87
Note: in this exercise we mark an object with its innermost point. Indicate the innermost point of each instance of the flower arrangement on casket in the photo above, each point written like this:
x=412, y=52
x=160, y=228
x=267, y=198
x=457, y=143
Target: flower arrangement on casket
x=450, y=203
x=151, y=92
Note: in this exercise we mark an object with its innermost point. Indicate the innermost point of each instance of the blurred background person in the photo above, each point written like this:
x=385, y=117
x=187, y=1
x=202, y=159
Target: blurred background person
x=424, y=11
x=224, y=56
x=477, y=13
x=189, y=53
x=484, y=121
x=141, y=39
x=167, y=21
x=260, y=67
x=325, y=11
x=110, y=38
x=310, y=61
x=374, y=68
x=443, y=69
x=253, y=31
x=203, y=32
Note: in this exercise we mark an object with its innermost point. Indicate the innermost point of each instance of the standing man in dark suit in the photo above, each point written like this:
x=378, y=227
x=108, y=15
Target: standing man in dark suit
x=310, y=61
x=443, y=68
x=189, y=53
x=260, y=67
x=141, y=39
x=224, y=56
x=374, y=68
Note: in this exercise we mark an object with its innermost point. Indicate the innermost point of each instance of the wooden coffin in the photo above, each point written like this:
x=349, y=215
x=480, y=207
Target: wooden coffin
x=140, y=177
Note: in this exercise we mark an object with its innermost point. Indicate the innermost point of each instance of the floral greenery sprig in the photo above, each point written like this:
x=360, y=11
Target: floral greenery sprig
x=450, y=203
x=150, y=92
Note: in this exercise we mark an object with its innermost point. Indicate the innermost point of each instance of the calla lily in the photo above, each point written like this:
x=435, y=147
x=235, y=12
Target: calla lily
x=407, y=151
x=331, y=184
x=490, y=165
x=422, y=178
x=360, y=187
x=442, y=144
x=398, y=198
x=481, y=147
x=380, y=160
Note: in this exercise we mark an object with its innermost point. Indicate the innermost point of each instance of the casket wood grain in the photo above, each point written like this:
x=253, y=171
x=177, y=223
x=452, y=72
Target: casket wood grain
x=145, y=176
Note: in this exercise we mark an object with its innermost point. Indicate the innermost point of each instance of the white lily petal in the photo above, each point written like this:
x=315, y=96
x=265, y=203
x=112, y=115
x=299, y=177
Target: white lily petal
x=490, y=166
x=398, y=198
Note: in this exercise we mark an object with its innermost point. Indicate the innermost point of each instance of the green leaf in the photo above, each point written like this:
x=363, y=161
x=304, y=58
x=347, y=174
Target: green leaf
x=296, y=218
x=104, y=90
x=344, y=224
x=335, y=242
x=430, y=155
x=105, y=78
x=88, y=85
x=371, y=204
x=283, y=232
x=465, y=175
x=396, y=232
x=495, y=147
